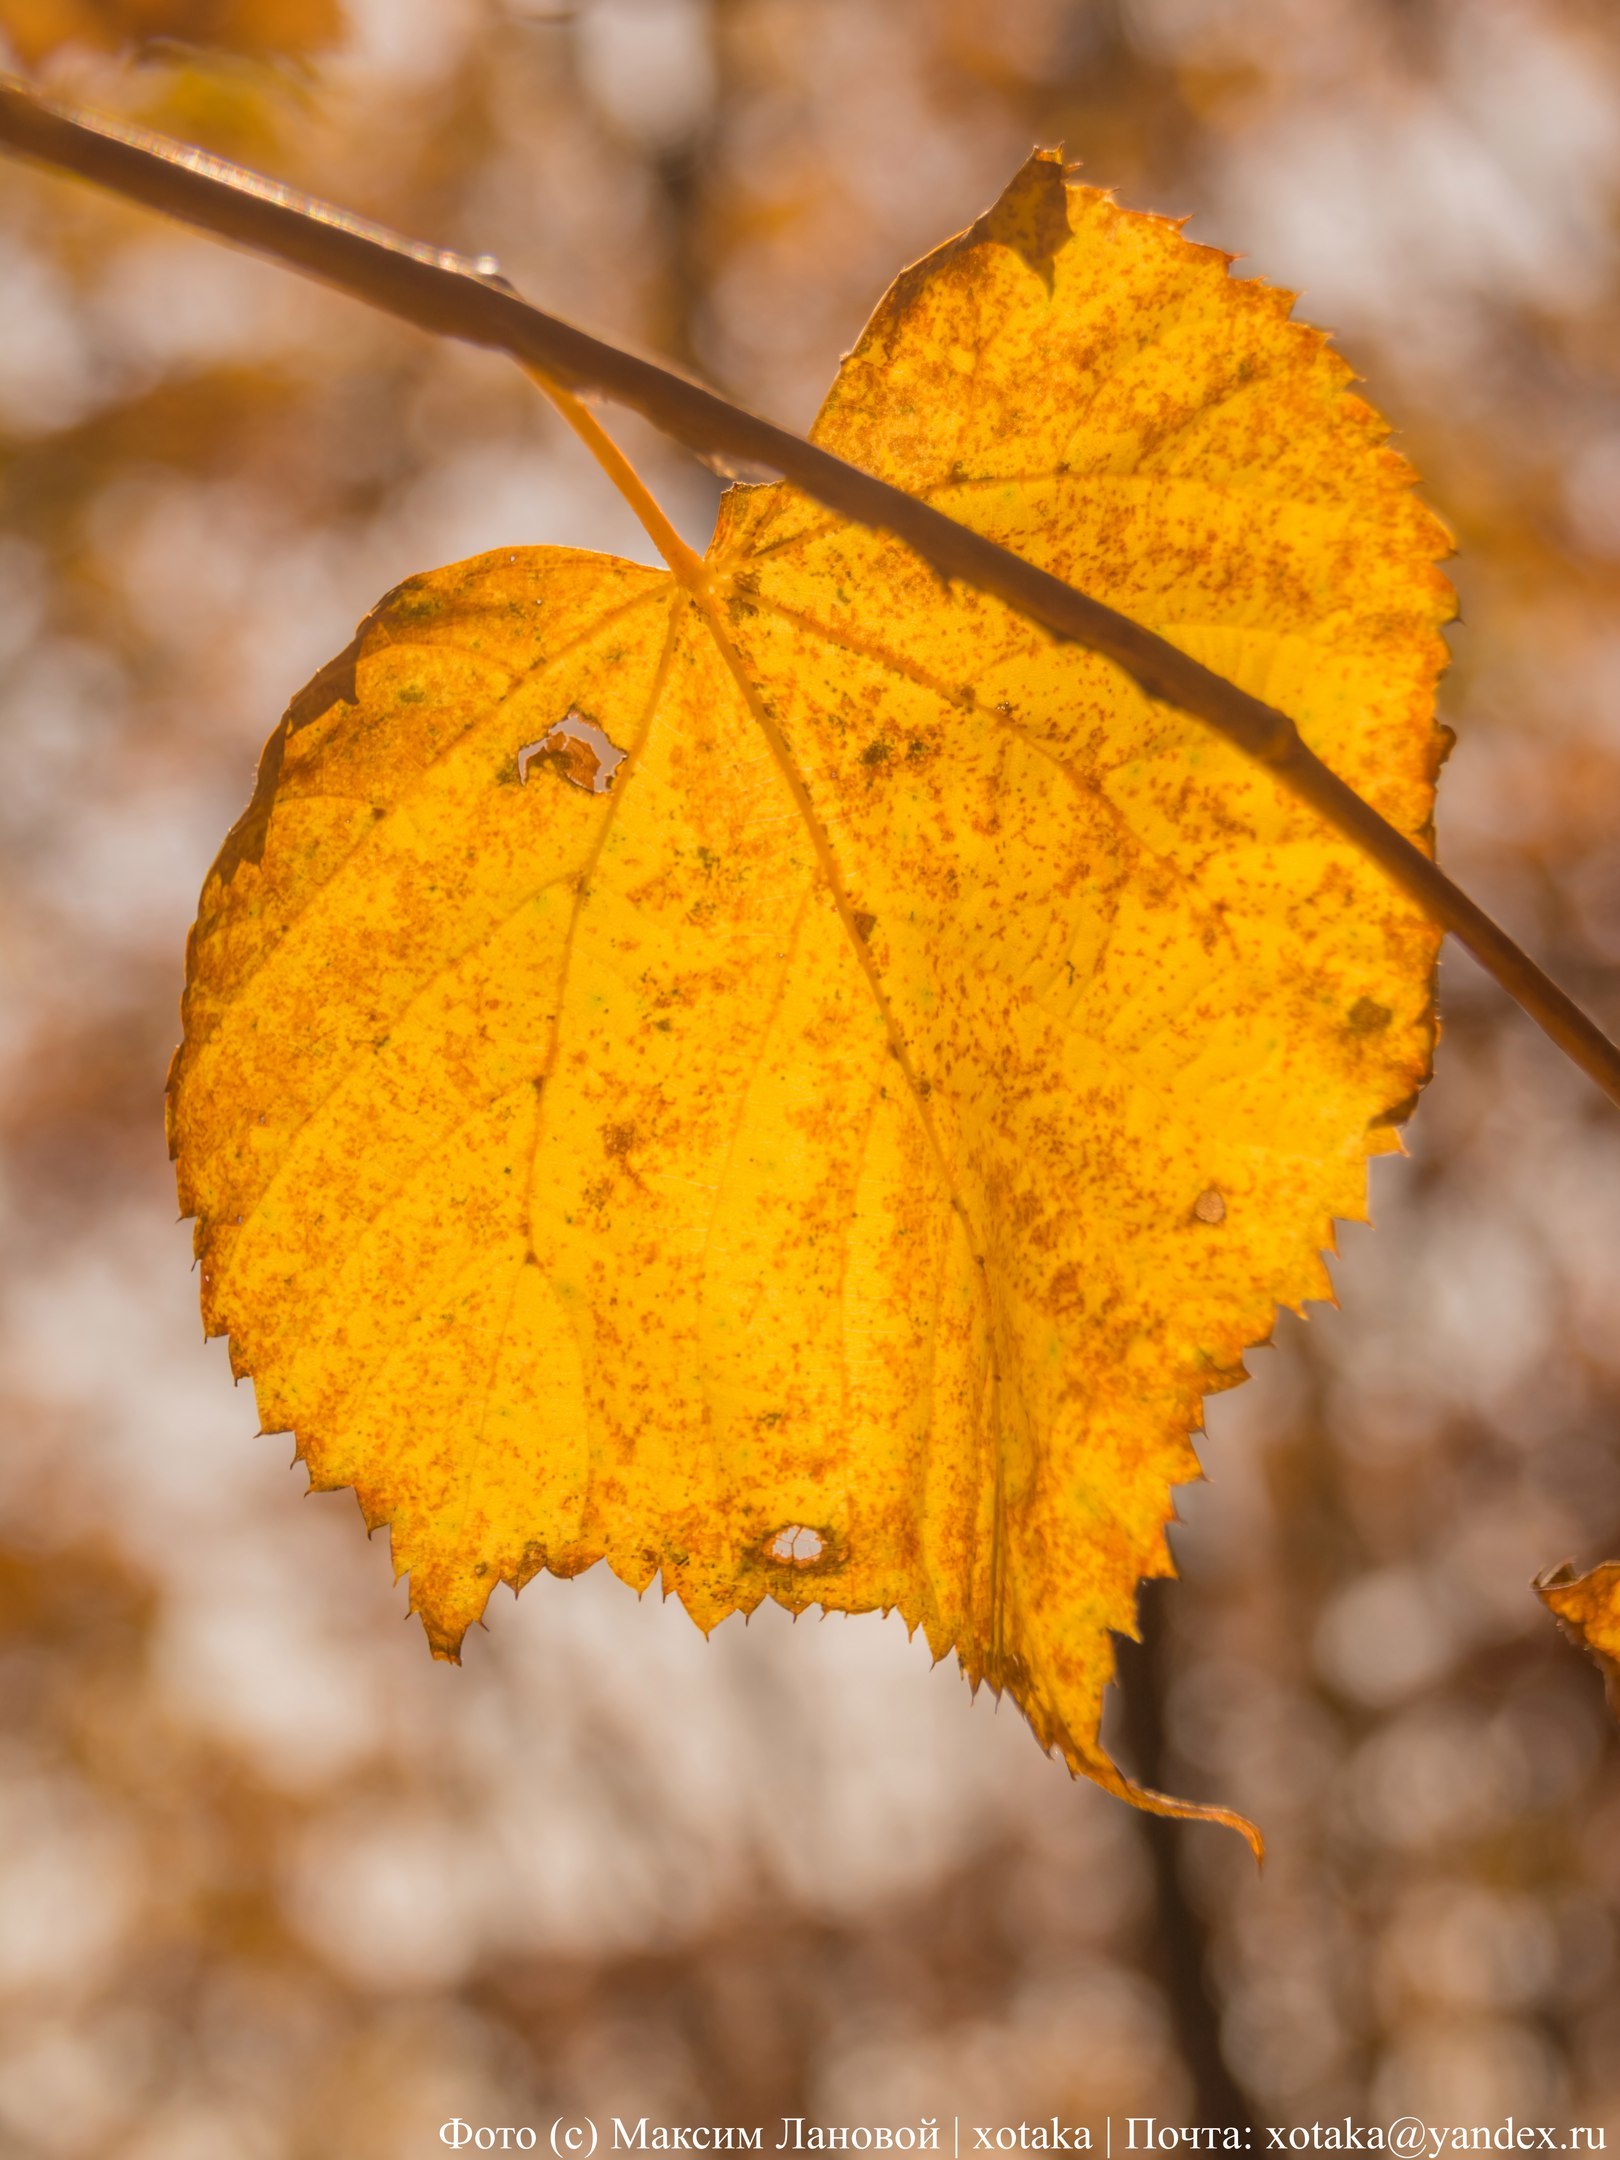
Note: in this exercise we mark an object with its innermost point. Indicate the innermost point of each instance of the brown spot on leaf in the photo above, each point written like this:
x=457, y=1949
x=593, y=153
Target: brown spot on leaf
x=1368, y=1017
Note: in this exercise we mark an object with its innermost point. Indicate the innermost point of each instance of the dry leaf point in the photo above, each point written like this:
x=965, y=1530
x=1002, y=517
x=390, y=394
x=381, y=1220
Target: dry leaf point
x=792, y=1081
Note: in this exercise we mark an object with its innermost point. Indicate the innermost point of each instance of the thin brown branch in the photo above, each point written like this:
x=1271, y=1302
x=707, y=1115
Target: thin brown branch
x=457, y=296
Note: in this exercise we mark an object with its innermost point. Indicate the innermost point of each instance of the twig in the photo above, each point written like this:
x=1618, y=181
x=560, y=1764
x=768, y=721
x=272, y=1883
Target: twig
x=459, y=296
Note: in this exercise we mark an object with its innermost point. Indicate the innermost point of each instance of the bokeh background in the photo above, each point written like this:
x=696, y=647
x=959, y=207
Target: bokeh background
x=271, y=1883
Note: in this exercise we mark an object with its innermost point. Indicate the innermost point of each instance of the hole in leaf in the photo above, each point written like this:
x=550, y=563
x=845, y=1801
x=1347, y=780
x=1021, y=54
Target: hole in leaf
x=797, y=1545
x=577, y=750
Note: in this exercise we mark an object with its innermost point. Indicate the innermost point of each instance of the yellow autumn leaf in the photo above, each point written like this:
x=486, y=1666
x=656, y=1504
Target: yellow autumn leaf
x=784, y=1077
x=1588, y=1608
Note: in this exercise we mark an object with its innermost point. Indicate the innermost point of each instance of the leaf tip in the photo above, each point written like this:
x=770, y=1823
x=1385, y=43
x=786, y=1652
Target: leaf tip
x=1157, y=1803
x=1031, y=215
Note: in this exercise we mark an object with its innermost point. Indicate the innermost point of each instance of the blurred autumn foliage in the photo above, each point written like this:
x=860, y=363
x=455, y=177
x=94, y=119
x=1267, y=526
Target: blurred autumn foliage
x=270, y=1882
x=39, y=29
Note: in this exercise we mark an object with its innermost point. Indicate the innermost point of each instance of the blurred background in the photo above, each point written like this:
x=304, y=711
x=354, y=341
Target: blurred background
x=271, y=1883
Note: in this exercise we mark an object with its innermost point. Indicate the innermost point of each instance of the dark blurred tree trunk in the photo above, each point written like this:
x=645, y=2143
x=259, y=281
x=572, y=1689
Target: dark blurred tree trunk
x=1182, y=1938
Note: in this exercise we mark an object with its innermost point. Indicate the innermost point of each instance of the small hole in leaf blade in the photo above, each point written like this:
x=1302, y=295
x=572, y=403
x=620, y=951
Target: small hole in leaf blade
x=577, y=750
x=797, y=1545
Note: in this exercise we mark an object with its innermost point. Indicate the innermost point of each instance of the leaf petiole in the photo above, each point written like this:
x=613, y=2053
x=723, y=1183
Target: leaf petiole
x=685, y=564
